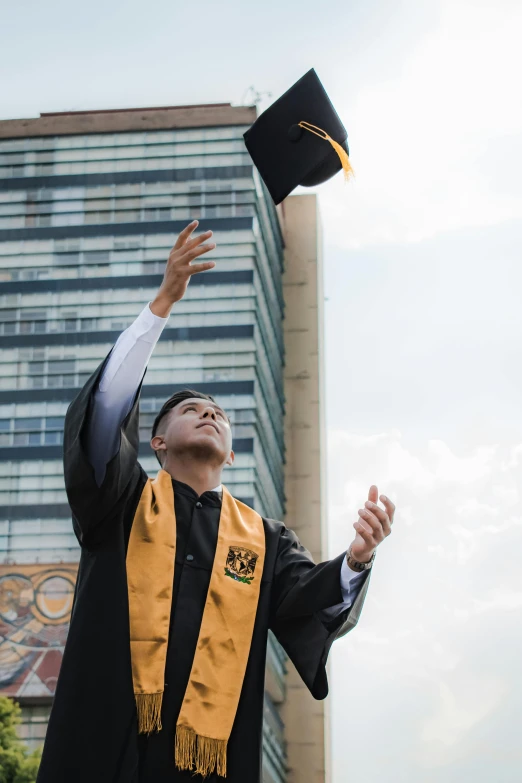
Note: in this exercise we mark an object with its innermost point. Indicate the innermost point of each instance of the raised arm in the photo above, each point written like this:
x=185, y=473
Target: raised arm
x=101, y=428
x=114, y=394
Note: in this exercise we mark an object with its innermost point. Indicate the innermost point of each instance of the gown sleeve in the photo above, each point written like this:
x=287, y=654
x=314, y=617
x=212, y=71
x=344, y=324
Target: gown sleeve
x=96, y=508
x=302, y=590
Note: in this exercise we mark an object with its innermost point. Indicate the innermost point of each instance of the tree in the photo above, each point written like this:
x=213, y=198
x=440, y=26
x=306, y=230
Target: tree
x=17, y=765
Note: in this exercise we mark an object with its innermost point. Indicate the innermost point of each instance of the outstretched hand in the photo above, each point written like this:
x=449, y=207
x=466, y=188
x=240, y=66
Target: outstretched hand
x=179, y=268
x=373, y=526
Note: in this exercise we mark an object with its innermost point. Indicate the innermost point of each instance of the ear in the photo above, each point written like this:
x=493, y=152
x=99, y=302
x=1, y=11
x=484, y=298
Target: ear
x=158, y=443
x=230, y=460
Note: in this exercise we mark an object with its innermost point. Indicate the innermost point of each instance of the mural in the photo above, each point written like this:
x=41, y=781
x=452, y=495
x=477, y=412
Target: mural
x=35, y=610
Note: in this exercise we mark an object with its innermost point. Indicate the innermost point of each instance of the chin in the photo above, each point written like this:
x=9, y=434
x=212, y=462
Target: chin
x=202, y=448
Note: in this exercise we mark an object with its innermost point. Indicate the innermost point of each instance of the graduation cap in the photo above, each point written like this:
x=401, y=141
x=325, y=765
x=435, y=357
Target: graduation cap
x=299, y=139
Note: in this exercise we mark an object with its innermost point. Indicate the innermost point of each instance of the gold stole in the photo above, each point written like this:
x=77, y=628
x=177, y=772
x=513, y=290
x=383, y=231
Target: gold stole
x=216, y=679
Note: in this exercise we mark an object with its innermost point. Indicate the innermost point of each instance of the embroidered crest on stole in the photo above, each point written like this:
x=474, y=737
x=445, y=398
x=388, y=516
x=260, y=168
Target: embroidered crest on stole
x=241, y=564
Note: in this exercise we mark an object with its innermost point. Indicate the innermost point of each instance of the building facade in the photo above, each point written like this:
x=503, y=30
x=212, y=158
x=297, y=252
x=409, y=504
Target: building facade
x=90, y=205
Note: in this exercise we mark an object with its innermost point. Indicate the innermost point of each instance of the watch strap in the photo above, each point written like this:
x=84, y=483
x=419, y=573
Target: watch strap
x=355, y=565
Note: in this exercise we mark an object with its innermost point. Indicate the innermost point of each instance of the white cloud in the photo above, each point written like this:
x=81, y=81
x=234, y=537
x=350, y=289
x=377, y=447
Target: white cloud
x=457, y=711
x=437, y=147
x=445, y=591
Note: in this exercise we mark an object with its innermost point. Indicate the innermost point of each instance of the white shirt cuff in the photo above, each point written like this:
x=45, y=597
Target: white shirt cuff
x=349, y=581
x=148, y=326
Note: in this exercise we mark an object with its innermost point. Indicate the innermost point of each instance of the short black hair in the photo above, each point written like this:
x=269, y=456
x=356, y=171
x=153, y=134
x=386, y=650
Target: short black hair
x=176, y=399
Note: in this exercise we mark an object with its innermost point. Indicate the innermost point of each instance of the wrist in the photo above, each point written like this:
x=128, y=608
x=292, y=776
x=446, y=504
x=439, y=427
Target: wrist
x=161, y=306
x=360, y=561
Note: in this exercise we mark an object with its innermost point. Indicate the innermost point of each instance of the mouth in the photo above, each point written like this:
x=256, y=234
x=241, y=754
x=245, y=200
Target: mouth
x=207, y=424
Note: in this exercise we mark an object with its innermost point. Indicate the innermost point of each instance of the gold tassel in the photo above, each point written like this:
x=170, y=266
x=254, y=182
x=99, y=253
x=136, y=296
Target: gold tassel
x=343, y=155
x=149, y=712
x=206, y=753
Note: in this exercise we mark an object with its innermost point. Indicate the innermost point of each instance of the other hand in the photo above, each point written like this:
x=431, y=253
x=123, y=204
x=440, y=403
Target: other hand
x=373, y=526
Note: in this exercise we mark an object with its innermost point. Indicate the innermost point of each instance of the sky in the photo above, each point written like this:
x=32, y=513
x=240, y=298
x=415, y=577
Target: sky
x=422, y=282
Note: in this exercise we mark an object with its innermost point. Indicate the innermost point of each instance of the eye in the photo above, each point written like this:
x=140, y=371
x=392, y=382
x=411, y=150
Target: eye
x=190, y=408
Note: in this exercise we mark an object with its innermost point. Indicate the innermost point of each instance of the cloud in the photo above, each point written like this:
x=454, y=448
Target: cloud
x=436, y=147
x=433, y=664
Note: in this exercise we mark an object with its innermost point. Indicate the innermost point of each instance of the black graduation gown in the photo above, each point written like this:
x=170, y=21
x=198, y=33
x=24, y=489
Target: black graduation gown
x=92, y=733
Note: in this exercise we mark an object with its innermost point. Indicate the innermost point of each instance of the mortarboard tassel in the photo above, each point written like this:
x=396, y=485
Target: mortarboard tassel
x=343, y=155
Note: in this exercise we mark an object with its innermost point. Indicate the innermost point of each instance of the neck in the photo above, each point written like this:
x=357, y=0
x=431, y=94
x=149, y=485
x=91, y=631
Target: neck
x=200, y=477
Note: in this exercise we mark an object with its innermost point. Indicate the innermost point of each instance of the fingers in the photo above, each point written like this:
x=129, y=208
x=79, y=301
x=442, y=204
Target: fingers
x=377, y=519
x=185, y=234
x=198, y=251
x=192, y=249
x=365, y=532
x=390, y=507
x=197, y=241
x=195, y=268
x=380, y=514
x=373, y=494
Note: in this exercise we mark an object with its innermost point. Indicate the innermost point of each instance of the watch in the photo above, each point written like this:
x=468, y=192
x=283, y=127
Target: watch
x=355, y=565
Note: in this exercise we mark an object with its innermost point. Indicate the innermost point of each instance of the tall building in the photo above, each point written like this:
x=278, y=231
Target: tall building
x=90, y=205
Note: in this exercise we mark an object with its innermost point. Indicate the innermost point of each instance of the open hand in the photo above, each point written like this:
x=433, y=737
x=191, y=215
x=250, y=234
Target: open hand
x=373, y=526
x=179, y=268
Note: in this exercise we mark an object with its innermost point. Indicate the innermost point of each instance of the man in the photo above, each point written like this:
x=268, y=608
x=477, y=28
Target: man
x=162, y=677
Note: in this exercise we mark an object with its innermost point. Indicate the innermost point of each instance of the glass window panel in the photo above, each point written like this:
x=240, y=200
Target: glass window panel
x=54, y=422
x=35, y=368
x=96, y=257
x=66, y=259
x=34, y=438
x=62, y=366
x=27, y=424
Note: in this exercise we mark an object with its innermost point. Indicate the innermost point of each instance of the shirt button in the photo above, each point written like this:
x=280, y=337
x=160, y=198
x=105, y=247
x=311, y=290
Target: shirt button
x=199, y=505
x=190, y=557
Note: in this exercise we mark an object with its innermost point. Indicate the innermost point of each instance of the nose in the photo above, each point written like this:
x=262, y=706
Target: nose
x=210, y=412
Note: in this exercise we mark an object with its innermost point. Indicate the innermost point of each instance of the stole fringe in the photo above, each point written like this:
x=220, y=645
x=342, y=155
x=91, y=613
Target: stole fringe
x=149, y=712
x=206, y=753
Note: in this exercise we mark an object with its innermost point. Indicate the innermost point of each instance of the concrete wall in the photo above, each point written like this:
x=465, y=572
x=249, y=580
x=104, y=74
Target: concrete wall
x=306, y=719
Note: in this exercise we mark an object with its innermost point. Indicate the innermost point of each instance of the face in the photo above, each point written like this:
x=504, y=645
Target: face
x=197, y=429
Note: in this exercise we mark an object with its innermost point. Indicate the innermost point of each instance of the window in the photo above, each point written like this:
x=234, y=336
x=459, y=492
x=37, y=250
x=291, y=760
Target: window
x=28, y=424
x=35, y=368
x=96, y=257
x=21, y=439
x=54, y=422
x=67, y=366
x=34, y=725
x=66, y=259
